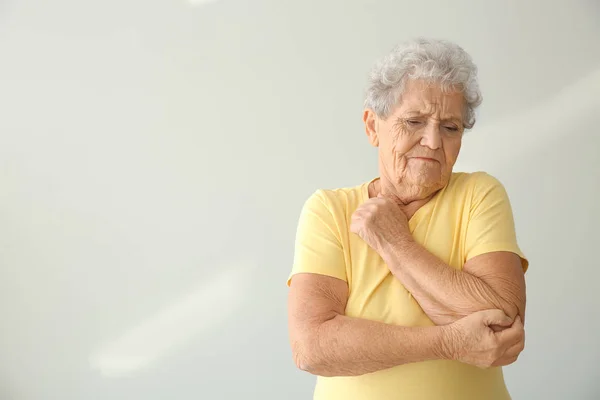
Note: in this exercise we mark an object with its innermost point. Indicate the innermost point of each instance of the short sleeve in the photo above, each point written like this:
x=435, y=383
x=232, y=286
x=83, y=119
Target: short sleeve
x=491, y=224
x=318, y=247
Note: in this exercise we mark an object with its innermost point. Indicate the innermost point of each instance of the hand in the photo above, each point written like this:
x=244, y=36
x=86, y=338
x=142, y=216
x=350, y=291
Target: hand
x=379, y=221
x=473, y=341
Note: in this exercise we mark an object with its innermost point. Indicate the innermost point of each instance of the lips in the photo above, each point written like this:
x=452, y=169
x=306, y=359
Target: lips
x=425, y=159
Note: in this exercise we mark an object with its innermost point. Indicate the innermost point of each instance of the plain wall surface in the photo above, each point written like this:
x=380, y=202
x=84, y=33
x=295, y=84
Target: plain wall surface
x=154, y=157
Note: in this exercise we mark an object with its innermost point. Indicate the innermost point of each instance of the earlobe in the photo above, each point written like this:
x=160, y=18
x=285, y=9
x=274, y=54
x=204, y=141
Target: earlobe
x=375, y=140
x=370, y=120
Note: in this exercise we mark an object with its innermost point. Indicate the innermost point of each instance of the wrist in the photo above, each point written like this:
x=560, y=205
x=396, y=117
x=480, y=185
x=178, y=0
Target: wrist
x=447, y=343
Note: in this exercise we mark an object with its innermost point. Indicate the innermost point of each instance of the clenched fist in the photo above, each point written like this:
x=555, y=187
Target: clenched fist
x=472, y=339
x=379, y=221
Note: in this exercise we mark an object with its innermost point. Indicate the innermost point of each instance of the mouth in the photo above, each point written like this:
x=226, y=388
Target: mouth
x=425, y=159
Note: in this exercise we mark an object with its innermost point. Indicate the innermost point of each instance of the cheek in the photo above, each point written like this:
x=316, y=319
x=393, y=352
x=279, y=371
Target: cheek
x=451, y=150
x=403, y=143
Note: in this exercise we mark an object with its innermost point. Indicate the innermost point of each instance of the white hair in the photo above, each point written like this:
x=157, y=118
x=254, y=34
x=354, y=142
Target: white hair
x=439, y=61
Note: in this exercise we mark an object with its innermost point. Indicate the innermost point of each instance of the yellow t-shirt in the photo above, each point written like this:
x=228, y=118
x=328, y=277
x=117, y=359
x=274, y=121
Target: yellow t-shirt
x=470, y=216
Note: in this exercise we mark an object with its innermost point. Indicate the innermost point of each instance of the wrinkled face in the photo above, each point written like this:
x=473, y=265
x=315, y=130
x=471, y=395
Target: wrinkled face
x=420, y=141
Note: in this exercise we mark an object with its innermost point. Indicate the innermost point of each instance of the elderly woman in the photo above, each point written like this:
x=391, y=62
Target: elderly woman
x=411, y=286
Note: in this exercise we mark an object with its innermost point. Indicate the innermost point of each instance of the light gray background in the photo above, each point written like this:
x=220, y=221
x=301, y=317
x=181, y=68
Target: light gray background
x=154, y=156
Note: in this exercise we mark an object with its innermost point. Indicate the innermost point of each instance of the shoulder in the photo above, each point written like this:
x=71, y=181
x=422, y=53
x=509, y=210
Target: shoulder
x=473, y=183
x=474, y=190
x=328, y=210
x=479, y=192
x=336, y=200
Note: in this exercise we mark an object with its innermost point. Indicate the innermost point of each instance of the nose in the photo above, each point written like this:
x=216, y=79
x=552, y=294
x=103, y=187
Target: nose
x=431, y=136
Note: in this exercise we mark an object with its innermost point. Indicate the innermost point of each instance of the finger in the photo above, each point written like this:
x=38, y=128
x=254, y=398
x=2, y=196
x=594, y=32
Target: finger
x=512, y=335
x=512, y=354
x=367, y=205
x=363, y=210
x=358, y=212
x=504, y=361
x=498, y=328
x=518, y=322
x=515, y=349
x=496, y=317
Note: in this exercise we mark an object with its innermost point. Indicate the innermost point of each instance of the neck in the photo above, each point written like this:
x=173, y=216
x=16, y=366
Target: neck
x=408, y=197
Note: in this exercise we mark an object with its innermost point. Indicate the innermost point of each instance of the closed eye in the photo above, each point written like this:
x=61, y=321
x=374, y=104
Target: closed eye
x=414, y=122
x=451, y=128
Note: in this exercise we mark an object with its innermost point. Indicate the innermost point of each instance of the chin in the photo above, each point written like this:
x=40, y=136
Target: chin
x=430, y=182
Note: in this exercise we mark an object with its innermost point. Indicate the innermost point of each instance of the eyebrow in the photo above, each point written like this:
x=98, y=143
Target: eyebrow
x=453, y=119
x=445, y=118
x=414, y=113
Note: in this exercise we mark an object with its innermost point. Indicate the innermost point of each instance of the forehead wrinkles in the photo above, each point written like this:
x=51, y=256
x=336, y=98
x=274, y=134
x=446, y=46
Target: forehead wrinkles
x=435, y=111
x=430, y=108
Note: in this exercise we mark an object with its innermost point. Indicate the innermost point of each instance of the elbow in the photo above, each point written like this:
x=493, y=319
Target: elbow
x=310, y=354
x=298, y=355
x=305, y=359
x=511, y=308
x=303, y=362
x=308, y=358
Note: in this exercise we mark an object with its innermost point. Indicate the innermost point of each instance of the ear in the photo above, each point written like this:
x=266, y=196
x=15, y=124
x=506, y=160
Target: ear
x=371, y=124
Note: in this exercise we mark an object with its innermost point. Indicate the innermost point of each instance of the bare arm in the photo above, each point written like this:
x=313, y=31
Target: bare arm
x=326, y=342
x=492, y=280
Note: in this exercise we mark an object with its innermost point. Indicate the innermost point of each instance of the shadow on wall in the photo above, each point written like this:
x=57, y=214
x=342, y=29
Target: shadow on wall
x=204, y=309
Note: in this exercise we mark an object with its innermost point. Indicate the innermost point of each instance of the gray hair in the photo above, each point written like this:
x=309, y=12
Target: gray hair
x=437, y=61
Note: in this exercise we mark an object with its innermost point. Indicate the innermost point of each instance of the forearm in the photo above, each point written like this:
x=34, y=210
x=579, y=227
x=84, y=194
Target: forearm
x=445, y=293
x=345, y=346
